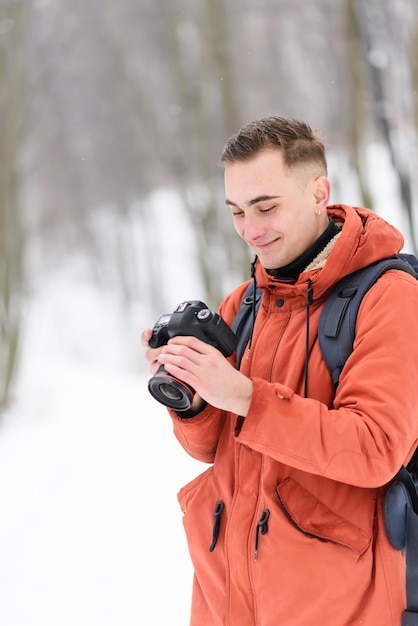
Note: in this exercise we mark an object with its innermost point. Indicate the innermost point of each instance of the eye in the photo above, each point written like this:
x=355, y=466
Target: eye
x=237, y=213
x=267, y=209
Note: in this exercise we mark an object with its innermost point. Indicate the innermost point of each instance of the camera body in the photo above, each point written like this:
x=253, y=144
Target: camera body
x=190, y=319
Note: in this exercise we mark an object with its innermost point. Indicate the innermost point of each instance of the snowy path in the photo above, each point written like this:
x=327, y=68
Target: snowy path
x=90, y=528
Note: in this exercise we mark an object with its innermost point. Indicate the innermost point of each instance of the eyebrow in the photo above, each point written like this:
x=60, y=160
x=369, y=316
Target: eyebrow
x=254, y=200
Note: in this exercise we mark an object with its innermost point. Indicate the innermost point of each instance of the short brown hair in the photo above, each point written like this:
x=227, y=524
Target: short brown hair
x=298, y=143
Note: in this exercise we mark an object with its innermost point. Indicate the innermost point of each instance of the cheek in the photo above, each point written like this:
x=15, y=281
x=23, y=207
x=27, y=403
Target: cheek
x=305, y=233
x=239, y=225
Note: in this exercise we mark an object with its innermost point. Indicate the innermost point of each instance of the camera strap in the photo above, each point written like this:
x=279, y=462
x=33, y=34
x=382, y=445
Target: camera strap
x=244, y=319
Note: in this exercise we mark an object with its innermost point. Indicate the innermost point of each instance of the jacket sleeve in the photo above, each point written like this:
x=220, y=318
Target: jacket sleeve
x=372, y=427
x=199, y=435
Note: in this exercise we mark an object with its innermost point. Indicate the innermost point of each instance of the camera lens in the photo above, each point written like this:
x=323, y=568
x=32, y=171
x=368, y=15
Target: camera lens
x=170, y=391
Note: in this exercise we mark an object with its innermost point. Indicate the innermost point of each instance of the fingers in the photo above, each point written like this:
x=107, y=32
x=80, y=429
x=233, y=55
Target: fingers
x=146, y=336
x=151, y=354
x=189, y=342
x=187, y=353
x=191, y=360
x=179, y=351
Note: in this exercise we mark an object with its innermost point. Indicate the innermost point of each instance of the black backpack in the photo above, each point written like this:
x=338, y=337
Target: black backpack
x=336, y=334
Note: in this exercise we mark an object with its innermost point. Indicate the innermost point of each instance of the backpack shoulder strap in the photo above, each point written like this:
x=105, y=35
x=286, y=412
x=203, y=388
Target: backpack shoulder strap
x=243, y=320
x=410, y=615
x=337, y=323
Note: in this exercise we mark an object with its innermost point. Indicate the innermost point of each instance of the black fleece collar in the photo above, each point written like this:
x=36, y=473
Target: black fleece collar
x=291, y=271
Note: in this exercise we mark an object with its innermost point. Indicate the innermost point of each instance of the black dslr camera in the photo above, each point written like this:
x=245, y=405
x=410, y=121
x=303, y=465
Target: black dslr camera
x=191, y=319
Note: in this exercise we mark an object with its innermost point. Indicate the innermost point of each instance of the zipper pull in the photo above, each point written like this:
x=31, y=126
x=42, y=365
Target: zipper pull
x=219, y=507
x=262, y=527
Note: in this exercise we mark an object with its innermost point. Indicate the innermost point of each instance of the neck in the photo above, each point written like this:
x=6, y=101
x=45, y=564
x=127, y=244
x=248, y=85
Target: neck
x=291, y=271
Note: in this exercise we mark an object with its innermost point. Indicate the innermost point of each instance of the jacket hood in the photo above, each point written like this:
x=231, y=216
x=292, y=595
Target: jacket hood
x=365, y=238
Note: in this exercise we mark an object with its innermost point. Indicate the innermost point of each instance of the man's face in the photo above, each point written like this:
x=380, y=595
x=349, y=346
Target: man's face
x=274, y=208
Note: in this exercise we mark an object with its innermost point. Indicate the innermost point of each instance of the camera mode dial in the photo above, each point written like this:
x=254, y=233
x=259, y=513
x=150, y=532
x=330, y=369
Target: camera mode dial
x=204, y=315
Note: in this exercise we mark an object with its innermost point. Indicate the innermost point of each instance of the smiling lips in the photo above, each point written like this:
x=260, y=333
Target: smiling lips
x=263, y=246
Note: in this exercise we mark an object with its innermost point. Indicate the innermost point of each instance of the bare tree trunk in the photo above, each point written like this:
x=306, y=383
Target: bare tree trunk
x=358, y=121
x=373, y=25
x=215, y=113
x=12, y=76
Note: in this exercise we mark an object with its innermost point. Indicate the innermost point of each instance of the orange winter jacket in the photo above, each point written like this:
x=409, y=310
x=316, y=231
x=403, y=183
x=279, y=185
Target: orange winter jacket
x=285, y=528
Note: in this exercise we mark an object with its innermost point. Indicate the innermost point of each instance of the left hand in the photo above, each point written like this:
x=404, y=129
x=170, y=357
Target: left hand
x=204, y=368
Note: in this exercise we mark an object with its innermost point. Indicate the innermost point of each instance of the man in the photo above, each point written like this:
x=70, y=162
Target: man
x=285, y=528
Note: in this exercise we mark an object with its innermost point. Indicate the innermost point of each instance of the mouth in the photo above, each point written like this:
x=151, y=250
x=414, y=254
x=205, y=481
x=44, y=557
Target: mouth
x=264, y=246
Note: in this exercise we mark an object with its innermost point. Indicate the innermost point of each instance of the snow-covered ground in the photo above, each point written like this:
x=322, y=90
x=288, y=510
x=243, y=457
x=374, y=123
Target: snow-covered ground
x=90, y=528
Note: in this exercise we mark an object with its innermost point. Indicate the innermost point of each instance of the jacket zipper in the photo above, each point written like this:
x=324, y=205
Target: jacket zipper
x=217, y=512
x=261, y=528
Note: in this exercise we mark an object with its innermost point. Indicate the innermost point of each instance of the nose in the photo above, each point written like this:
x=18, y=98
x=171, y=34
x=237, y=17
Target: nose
x=253, y=228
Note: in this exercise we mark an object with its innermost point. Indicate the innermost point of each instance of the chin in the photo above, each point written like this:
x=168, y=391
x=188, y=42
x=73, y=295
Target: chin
x=271, y=264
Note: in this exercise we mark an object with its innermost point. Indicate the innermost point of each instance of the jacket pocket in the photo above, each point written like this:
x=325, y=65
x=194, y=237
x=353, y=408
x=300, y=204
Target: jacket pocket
x=203, y=512
x=313, y=518
x=187, y=494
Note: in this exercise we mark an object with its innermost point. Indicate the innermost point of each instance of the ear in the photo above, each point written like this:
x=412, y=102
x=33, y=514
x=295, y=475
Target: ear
x=322, y=192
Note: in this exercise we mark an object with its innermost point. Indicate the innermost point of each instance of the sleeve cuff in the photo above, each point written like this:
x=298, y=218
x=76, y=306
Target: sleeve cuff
x=191, y=413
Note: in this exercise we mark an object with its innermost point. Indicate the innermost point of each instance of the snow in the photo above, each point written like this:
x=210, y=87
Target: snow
x=90, y=528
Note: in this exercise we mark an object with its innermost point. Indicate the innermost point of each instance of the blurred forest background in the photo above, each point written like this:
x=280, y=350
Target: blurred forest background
x=113, y=116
